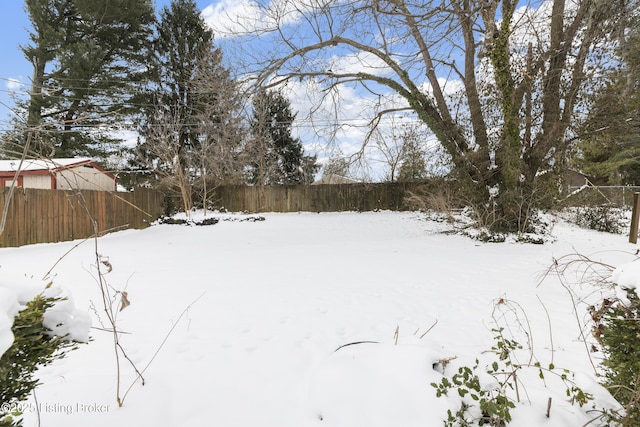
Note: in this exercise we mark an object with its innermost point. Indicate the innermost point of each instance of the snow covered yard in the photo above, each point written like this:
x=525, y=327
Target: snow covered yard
x=268, y=303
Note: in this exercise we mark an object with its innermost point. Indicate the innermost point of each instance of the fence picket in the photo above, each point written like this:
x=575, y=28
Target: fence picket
x=314, y=198
x=44, y=216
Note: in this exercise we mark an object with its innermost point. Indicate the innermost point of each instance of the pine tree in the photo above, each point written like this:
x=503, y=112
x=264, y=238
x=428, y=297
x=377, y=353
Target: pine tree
x=610, y=146
x=192, y=138
x=279, y=156
x=182, y=39
x=413, y=166
x=89, y=60
x=168, y=130
x=339, y=166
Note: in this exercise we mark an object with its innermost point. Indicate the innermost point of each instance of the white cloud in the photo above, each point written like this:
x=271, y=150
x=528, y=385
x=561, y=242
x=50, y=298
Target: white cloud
x=232, y=18
x=329, y=122
x=449, y=87
x=337, y=123
x=364, y=62
x=14, y=85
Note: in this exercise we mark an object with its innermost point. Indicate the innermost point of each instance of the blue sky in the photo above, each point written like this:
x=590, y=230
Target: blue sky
x=13, y=24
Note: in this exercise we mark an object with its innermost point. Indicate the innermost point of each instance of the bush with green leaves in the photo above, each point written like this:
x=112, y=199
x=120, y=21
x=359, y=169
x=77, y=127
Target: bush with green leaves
x=493, y=404
x=615, y=325
x=606, y=218
x=34, y=346
x=617, y=328
x=481, y=404
x=490, y=404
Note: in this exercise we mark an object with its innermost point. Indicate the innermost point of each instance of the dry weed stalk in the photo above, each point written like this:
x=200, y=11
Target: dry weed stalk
x=110, y=306
x=109, y=295
x=114, y=301
x=576, y=270
x=441, y=201
x=429, y=330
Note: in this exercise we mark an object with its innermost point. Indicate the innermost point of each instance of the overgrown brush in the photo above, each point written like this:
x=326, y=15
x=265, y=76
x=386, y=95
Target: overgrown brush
x=614, y=322
x=617, y=329
x=605, y=218
x=499, y=378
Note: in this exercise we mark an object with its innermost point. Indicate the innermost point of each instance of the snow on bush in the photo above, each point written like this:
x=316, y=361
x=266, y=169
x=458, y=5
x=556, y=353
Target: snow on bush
x=618, y=331
x=8, y=310
x=627, y=276
x=62, y=320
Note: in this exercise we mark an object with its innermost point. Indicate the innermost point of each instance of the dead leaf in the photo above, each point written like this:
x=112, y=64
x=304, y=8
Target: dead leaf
x=124, y=301
x=107, y=264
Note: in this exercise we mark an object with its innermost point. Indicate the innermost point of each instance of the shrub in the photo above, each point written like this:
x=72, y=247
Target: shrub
x=33, y=346
x=485, y=393
x=490, y=404
x=601, y=218
x=615, y=318
x=493, y=406
x=617, y=328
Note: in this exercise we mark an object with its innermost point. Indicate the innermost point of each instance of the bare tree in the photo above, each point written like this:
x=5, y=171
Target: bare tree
x=219, y=155
x=402, y=149
x=497, y=83
x=162, y=152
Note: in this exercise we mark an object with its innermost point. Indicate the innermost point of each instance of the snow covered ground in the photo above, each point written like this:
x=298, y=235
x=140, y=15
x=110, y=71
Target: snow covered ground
x=258, y=310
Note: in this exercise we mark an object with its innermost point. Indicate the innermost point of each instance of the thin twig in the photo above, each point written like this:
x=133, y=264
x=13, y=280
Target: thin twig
x=93, y=236
x=7, y=202
x=35, y=400
x=575, y=311
x=550, y=328
x=430, y=328
x=161, y=345
x=110, y=330
x=133, y=365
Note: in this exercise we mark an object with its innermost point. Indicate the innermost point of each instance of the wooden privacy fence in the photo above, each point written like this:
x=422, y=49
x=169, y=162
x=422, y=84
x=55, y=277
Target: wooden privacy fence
x=43, y=216
x=314, y=198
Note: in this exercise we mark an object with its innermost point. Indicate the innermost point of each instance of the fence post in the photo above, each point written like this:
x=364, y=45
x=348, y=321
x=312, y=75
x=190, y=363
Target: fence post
x=633, y=233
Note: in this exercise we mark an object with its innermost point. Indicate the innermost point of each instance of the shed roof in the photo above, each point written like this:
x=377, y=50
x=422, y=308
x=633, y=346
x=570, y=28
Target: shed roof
x=42, y=164
x=335, y=179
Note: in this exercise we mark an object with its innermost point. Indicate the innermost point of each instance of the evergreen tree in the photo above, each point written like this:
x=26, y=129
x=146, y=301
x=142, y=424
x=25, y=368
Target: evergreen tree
x=89, y=61
x=193, y=134
x=610, y=148
x=182, y=40
x=413, y=166
x=168, y=128
x=280, y=157
x=339, y=166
